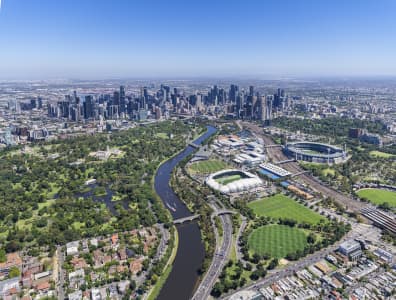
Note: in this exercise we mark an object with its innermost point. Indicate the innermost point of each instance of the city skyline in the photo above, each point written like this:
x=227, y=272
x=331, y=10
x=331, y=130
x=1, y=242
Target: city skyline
x=100, y=39
x=197, y=150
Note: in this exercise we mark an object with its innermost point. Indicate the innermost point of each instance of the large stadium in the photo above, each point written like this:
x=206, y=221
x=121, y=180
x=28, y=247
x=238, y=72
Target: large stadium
x=233, y=181
x=315, y=152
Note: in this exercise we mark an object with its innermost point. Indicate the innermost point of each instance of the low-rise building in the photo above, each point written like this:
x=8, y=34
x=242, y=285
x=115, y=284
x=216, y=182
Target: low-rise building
x=12, y=260
x=72, y=248
x=351, y=249
x=6, y=286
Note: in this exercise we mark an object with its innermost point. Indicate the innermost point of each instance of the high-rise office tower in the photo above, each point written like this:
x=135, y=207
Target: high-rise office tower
x=269, y=105
x=222, y=96
x=33, y=103
x=143, y=99
x=240, y=104
x=122, y=99
x=39, y=103
x=279, y=99
x=255, y=107
x=88, y=107
x=251, y=90
x=263, y=108
x=116, y=98
x=233, y=93
x=145, y=93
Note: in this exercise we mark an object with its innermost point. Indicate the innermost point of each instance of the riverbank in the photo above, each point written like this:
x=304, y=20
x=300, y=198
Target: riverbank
x=156, y=289
x=183, y=276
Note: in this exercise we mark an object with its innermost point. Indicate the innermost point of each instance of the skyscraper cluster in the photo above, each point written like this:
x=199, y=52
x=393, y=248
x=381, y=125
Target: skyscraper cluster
x=247, y=104
x=235, y=102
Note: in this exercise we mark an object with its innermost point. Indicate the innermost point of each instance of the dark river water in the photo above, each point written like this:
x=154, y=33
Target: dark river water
x=106, y=199
x=182, y=281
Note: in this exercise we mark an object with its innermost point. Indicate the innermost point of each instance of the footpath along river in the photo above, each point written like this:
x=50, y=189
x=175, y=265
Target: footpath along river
x=183, y=278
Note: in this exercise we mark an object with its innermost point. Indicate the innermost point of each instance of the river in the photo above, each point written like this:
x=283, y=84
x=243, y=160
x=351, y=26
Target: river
x=183, y=278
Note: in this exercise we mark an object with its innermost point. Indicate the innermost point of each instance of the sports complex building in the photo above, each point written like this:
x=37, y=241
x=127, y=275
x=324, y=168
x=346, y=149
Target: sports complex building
x=315, y=152
x=233, y=181
x=275, y=172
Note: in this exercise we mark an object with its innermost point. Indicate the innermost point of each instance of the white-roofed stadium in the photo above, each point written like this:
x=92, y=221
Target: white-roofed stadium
x=315, y=152
x=233, y=181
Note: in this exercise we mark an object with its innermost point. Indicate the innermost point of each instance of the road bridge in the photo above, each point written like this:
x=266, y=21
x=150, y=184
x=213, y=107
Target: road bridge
x=272, y=146
x=186, y=219
x=223, y=212
x=194, y=217
x=284, y=161
x=193, y=145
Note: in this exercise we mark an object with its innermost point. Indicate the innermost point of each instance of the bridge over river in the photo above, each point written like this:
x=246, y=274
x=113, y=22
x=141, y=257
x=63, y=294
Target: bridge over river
x=182, y=281
x=194, y=217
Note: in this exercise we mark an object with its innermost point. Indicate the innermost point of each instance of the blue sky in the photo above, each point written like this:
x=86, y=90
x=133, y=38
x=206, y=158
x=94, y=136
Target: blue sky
x=172, y=38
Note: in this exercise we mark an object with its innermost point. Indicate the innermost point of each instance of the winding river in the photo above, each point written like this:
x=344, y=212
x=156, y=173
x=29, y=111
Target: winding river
x=183, y=278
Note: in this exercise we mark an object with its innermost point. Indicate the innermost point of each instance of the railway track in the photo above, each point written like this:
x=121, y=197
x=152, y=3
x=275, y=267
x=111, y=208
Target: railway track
x=276, y=154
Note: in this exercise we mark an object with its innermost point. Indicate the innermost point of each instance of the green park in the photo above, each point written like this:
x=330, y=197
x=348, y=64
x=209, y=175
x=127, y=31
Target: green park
x=277, y=240
x=280, y=206
x=207, y=166
x=46, y=201
x=378, y=196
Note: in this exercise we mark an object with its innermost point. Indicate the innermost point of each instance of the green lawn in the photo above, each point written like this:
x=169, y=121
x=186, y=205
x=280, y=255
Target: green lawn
x=46, y=203
x=207, y=166
x=26, y=224
x=276, y=240
x=78, y=225
x=380, y=154
x=378, y=196
x=100, y=191
x=162, y=135
x=281, y=206
x=328, y=171
x=228, y=179
x=116, y=198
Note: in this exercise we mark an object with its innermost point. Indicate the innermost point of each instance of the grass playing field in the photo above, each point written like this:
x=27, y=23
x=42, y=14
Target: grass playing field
x=381, y=154
x=207, y=166
x=281, y=206
x=276, y=240
x=228, y=179
x=378, y=196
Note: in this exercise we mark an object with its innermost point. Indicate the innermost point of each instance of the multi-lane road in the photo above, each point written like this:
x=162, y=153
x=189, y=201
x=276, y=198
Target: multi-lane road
x=358, y=230
x=223, y=250
x=220, y=258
